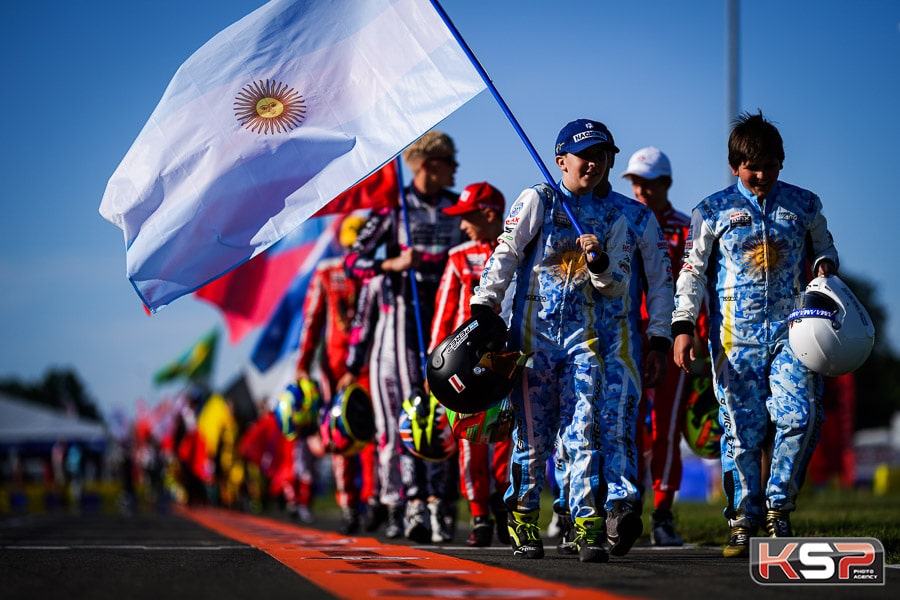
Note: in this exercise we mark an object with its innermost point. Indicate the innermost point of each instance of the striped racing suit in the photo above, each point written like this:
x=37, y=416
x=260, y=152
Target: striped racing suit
x=395, y=370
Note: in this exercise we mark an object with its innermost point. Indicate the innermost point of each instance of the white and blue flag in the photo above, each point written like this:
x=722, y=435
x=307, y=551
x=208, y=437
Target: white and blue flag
x=271, y=119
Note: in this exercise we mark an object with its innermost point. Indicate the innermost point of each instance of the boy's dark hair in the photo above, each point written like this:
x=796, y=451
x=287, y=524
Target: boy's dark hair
x=752, y=139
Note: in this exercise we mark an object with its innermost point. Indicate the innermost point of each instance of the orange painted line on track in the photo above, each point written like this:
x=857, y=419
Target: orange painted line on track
x=354, y=567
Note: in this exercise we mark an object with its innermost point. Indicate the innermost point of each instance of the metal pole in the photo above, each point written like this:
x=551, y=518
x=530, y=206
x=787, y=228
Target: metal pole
x=732, y=91
x=412, y=271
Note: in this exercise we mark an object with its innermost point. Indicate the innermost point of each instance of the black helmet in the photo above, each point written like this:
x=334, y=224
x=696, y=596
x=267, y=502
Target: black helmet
x=469, y=371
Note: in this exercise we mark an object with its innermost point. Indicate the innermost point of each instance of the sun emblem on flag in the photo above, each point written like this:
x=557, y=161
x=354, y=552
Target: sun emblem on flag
x=763, y=254
x=269, y=107
x=568, y=264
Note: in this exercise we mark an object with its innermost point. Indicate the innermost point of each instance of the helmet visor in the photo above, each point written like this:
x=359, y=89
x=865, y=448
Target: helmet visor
x=815, y=305
x=818, y=300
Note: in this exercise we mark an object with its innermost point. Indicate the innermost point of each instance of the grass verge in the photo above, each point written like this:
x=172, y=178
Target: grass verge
x=820, y=513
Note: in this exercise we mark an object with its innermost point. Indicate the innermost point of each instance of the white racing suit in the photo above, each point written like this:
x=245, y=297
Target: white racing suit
x=753, y=260
x=557, y=316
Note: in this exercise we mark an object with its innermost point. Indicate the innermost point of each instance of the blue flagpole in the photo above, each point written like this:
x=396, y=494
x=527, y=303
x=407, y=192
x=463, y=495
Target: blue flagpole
x=503, y=106
x=412, y=271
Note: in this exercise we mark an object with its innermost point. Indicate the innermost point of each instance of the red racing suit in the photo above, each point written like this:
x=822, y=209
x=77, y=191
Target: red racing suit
x=478, y=463
x=327, y=314
x=666, y=402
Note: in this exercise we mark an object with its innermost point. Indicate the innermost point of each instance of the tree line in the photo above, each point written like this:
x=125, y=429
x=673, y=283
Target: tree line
x=60, y=389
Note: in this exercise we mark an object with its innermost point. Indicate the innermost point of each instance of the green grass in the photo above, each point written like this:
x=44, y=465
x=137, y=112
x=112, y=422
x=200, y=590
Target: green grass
x=820, y=513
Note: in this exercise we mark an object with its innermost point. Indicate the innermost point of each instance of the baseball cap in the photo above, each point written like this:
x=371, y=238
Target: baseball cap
x=582, y=134
x=648, y=163
x=475, y=196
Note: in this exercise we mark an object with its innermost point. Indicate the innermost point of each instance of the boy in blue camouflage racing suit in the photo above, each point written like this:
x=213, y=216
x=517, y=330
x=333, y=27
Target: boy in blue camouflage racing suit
x=562, y=281
x=629, y=364
x=751, y=248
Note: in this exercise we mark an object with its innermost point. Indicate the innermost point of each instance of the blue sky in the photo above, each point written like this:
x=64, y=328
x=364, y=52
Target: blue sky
x=82, y=78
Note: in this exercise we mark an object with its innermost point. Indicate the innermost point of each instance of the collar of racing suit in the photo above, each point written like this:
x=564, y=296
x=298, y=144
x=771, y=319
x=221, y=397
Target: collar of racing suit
x=751, y=196
x=430, y=200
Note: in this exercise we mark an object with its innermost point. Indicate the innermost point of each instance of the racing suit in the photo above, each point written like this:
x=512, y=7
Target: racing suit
x=666, y=402
x=622, y=350
x=478, y=463
x=557, y=316
x=328, y=310
x=751, y=256
x=395, y=355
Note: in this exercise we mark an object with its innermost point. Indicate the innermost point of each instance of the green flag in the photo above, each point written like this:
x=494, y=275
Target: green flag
x=194, y=365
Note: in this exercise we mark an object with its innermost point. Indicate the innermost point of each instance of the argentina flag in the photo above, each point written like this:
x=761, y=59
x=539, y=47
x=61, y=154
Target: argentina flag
x=270, y=120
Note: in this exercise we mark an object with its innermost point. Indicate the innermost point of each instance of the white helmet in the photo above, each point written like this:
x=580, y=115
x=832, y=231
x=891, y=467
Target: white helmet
x=830, y=331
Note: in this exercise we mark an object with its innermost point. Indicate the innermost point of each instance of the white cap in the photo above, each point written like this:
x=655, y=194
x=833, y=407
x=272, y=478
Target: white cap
x=648, y=163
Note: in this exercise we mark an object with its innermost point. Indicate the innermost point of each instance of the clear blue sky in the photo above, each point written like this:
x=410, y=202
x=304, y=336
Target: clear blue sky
x=80, y=80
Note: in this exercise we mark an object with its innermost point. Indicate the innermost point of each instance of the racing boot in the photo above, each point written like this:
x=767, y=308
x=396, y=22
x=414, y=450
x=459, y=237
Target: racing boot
x=663, y=529
x=778, y=523
x=501, y=517
x=567, y=534
x=440, y=532
x=525, y=534
x=418, y=522
x=376, y=515
x=623, y=527
x=349, y=521
x=739, y=544
x=395, y=513
x=588, y=540
x=482, y=531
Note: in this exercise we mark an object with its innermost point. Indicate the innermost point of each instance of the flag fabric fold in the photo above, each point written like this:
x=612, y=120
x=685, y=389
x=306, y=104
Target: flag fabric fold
x=281, y=333
x=267, y=122
x=248, y=295
x=195, y=364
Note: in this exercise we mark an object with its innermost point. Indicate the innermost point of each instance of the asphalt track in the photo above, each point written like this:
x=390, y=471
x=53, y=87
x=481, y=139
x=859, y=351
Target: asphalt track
x=213, y=554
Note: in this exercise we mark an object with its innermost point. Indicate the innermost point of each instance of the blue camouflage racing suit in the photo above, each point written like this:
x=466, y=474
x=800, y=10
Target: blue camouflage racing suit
x=753, y=258
x=622, y=351
x=557, y=315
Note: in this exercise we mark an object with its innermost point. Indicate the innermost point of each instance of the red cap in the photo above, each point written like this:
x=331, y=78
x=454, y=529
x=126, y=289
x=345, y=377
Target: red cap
x=476, y=196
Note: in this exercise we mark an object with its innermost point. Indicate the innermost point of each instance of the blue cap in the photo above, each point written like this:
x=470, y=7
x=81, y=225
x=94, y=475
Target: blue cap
x=582, y=134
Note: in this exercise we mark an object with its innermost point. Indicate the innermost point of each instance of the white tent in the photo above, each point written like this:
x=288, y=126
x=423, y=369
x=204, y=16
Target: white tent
x=26, y=426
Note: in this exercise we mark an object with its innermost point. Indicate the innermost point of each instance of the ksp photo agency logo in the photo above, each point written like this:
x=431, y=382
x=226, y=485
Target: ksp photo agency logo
x=817, y=561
